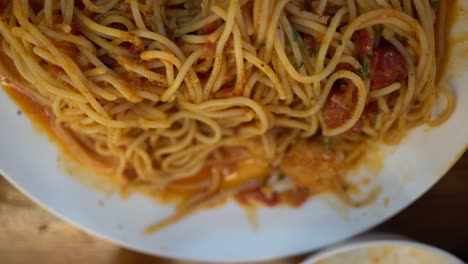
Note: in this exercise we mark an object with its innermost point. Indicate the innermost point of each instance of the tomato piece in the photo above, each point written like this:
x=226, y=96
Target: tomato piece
x=387, y=67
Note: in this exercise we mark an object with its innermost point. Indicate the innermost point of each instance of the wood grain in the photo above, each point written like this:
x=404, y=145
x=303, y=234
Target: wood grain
x=29, y=234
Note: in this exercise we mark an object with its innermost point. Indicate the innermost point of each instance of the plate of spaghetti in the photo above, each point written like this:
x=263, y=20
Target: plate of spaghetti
x=260, y=128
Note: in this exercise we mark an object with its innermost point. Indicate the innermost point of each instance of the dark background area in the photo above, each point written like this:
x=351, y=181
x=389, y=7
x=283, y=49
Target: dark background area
x=439, y=217
x=29, y=234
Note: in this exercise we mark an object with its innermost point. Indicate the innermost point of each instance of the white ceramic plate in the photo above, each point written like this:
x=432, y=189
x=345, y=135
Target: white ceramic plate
x=29, y=161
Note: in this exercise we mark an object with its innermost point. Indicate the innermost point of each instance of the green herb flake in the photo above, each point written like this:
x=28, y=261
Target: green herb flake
x=340, y=42
x=296, y=35
x=359, y=71
x=189, y=5
x=435, y=4
x=300, y=65
x=281, y=176
x=364, y=71
x=380, y=29
x=19, y=112
x=326, y=143
x=417, y=102
x=369, y=55
x=375, y=111
x=261, y=45
x=365, y=66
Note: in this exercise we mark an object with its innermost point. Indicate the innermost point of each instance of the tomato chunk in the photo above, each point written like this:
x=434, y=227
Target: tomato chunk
x=335, y=114
x=210, y=27
x=387, y=67
x=364, y=41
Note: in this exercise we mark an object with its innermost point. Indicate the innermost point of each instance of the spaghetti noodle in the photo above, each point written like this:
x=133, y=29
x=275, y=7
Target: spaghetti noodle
x=266, y=101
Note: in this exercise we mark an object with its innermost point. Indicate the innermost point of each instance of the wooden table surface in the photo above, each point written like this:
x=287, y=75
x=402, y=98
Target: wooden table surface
x=29, y=234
